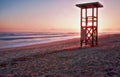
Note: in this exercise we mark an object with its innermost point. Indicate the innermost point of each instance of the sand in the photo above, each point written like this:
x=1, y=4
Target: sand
x=63, y=59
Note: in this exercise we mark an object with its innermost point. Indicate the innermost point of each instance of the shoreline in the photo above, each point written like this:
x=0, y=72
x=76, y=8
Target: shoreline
x=47, y=44
x=44, y=44
x=40, y=45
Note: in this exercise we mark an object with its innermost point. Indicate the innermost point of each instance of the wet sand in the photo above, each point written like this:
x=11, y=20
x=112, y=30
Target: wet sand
x=63, y=59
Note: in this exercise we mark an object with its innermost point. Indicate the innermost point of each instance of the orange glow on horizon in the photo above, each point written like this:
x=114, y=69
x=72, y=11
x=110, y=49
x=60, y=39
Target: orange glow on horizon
x=63, y=16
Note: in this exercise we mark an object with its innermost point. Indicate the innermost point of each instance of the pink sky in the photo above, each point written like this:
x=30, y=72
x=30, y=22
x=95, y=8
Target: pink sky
x=54, y=15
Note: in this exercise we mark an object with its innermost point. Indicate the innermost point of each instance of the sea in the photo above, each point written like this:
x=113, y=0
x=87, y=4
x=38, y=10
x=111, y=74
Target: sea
x=19, y=39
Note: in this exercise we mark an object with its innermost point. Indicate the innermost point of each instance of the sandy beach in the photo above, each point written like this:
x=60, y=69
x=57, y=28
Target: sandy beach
x=63, y=59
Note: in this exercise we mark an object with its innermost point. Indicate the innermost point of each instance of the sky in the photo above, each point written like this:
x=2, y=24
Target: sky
x=54, y=15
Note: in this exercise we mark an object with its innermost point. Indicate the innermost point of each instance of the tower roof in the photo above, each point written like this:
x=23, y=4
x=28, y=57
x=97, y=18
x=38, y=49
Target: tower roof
x=90, y=5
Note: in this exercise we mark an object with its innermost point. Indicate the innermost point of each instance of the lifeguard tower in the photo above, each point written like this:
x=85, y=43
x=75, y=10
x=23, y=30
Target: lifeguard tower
x=89, y=23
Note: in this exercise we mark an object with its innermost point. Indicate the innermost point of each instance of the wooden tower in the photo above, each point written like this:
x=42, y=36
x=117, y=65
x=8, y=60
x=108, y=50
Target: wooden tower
x=89, y=23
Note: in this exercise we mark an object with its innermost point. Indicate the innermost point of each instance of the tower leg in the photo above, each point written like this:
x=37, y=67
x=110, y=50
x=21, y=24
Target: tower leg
x=92, y=26
x=97, y=26
x=81, y=42
x=81, y=28
x=86, y=24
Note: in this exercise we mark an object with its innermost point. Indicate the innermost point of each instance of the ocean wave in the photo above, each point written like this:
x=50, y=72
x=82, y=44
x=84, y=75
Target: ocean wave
x=8, y=40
